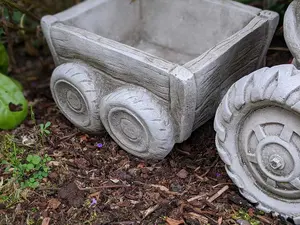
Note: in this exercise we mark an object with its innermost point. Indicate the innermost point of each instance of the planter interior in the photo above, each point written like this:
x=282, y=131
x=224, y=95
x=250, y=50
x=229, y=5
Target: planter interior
x=176, y=30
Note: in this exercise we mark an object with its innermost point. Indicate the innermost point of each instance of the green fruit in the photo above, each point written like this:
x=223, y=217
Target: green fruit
x=13, y=105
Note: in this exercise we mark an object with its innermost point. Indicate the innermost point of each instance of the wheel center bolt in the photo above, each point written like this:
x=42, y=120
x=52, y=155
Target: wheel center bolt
x=276, y=162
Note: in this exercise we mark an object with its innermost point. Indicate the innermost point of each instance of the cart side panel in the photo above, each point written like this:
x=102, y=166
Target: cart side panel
x=217, y=69
x=46, y=24
x=121, y=62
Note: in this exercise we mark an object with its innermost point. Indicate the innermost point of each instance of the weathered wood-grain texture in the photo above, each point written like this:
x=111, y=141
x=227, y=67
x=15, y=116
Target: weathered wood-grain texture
x=119, y=61
x=218, y=68
x=186, y=53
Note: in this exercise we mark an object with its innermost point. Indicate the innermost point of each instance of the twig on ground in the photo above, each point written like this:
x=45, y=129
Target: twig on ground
x=212, y=166
x=196, y=197
x=264, y=219
x=69, y=136
x=160, y=187
x=200, y=218
x=221, y=184
x=218, y=194
x=150, y=211
x=101, y=187
x=104, y=187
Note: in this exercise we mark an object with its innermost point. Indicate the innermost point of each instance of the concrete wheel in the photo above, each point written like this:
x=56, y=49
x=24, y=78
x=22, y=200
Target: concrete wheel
x=138, y=123
x=258, y=138
x=74, y=91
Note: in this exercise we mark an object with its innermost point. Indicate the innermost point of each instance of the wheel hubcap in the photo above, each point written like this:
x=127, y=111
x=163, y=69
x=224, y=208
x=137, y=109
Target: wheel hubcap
x=128, y=130
x=269, y=140
x=72, y=103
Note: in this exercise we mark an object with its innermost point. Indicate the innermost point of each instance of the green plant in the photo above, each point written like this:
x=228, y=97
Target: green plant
x=30, y=172
x=44, y=129
x=242, y=214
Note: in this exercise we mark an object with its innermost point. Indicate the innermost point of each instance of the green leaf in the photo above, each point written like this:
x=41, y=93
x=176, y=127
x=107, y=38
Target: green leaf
x=36, y=160
x=47, y=131
x=17, y=16
x=3, y=60
x=13, y=107
x=48, y=124
x=35, y=184
x=29, y=167
x=44, y=174
x=29, y=158
x=32, y=180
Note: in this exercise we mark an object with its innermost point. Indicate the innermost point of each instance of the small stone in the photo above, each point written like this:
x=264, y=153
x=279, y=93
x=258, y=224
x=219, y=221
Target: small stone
x=133, y=171
x=182, y=174
x=53, y=176
x=176, y=188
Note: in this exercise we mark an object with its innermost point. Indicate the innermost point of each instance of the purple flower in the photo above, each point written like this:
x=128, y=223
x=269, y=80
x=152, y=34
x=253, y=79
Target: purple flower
x=94, y=202
x=99, y=145
x=218, y=174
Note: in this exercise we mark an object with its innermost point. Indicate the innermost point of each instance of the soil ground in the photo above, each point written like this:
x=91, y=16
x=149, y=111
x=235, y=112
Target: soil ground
x=93, y=185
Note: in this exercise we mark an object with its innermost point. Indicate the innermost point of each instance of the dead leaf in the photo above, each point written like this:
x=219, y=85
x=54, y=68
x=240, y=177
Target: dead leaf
x=115, y=181
x=53, y=163
x=220, y=220
x=83, y=138
x=200, y=218
x=95, y=195
x=53, y=203
x=162, y=188
x=182, y=174
x=46, y=221
x=251, y=212
x=171, y=221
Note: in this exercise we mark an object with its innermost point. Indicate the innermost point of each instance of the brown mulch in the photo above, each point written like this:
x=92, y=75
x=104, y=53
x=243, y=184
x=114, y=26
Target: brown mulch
x=92, y=185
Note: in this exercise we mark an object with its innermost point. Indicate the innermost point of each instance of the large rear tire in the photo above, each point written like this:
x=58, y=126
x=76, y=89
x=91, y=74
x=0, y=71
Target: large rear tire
x=258, y=138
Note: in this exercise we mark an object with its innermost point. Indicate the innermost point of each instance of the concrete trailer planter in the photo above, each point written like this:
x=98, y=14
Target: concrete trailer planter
x=258, y=130
x=149, y=72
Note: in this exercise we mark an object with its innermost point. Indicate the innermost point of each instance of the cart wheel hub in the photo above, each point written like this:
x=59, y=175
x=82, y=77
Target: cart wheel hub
x=276, y=162
x=276, y=158
x=73, y=101
x=270, y=150
x=128, y=129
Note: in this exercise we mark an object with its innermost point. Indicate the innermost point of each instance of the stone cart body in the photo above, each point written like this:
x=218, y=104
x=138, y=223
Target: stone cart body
x=149, y=72
x=258, y=130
